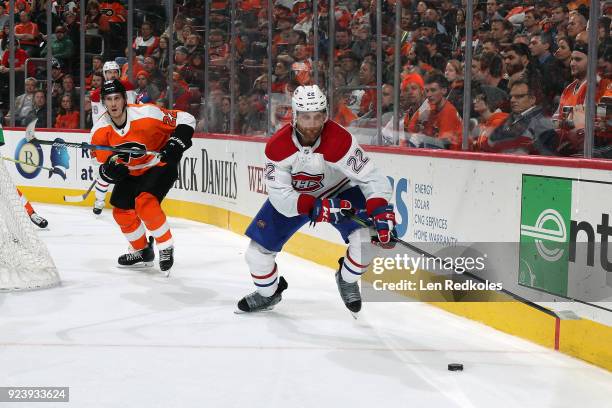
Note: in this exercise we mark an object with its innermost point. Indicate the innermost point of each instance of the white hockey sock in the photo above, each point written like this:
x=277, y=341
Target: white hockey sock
x=101, y=189
x=358, y=256
x=352, y=270
x=263, y=268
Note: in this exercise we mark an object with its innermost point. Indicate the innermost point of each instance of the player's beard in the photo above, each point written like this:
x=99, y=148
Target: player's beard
x=308, y=136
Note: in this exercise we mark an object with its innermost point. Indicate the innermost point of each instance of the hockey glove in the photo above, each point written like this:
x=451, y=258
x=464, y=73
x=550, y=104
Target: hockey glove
x=112, y=171
x=329, y=210
x=384, y=221
x=177, y=144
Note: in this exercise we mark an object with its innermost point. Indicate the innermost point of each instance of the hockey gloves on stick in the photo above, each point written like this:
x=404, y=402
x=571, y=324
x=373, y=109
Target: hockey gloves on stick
x=177, y=144
x=112, y=171
x=329, y=210
x=384, y=221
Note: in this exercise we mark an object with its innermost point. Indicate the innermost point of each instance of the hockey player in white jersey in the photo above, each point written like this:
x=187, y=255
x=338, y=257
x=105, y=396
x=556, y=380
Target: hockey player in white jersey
x=110, y=71
x=314, y=170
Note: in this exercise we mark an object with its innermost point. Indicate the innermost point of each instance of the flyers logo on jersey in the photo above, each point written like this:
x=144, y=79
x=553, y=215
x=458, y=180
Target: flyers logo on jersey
x=125, y=157
x=306, y=183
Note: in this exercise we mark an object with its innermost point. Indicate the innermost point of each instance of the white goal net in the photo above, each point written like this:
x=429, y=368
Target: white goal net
x=25, y=263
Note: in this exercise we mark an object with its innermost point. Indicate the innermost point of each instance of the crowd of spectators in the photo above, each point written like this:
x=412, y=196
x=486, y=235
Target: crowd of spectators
x=528, y=70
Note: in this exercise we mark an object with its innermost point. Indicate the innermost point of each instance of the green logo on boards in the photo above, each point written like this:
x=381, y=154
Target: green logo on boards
x=544, y=244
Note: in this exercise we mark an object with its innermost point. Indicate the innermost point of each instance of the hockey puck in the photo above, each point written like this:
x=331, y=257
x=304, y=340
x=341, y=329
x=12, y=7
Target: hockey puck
x=455, y=367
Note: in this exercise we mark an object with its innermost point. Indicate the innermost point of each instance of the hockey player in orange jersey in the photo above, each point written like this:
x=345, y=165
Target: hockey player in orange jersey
x=110, y=71
x=141, y=180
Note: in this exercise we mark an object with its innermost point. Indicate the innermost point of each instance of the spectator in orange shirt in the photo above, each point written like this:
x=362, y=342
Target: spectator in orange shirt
x=412, y=95
x=489, y=118
x=284, y=27
x=28, y=35
x=367, y=78
x=112, y=12
x=67, y=117
x=20, y=5
x=5, y=69
x=112, y=26
x=342, y=114
x=437, y=118
x=302, y=66
x=137, y=65
x=411, y=98
x=569, y=118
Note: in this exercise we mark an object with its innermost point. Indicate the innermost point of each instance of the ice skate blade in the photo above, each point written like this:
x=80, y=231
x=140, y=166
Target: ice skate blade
x=267, y=309
x=140, y=265
x=354, y=314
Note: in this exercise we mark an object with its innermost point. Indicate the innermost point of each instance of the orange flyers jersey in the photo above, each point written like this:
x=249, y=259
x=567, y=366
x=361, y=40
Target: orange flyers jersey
x=148, y=127
x=445, y=123
x=575, y=93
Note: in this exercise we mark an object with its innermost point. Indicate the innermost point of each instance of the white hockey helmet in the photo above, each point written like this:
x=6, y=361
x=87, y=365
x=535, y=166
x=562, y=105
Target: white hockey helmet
x=110, y=66
x=308, y=98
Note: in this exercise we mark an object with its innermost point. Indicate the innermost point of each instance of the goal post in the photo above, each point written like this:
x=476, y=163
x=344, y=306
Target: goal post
x=25, y=263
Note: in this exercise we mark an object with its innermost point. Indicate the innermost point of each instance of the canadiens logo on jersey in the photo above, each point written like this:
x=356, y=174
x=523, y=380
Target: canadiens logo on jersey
x=306, y=183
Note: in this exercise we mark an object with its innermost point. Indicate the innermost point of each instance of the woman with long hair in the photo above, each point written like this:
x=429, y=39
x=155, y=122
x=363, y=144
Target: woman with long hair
x=67, y=117
x=565, y=46
x=454, y=75
x=458, y=32
x=162, y=54
x=196, y=61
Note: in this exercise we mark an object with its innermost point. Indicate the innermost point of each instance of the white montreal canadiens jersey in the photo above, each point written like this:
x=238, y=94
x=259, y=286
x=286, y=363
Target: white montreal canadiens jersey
x=335, y=163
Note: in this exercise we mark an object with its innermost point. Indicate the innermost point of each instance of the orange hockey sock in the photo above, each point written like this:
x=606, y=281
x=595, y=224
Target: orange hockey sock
x=149, y=211
x=132, y=227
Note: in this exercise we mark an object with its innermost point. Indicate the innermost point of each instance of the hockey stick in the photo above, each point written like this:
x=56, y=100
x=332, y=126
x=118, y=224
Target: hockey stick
x=30, y=136
x=350, y=214
x=82, y=197
x=50, y=169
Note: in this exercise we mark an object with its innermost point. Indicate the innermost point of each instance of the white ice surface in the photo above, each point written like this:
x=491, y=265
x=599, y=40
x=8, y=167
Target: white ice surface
x=124, y=338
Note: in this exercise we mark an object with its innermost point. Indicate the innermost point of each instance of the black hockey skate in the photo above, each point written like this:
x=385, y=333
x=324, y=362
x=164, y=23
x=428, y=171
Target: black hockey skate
x=138, y=259
x=257, y=303
x=349, y=292
x=166, y=260
x=98, y=207
x=39, y=221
